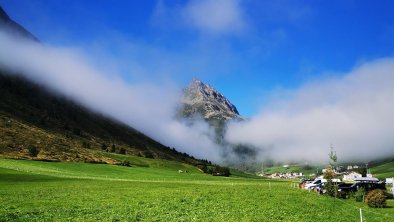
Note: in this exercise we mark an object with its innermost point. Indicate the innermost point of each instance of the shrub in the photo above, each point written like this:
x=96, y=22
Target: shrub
x=33, y=151
x=331, y=188
x=94, y=161
x=221, y=171
x=388, y=195
x=125, y=163
x=112, y=149
x=342, y=195
x=359, y=194
x=122, y=151
x=203, y=167
x=148, y=154
x=376, y=198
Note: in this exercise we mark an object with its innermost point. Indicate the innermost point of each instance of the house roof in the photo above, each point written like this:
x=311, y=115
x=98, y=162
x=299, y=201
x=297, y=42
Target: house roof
x=372, y=179
x=352, y=172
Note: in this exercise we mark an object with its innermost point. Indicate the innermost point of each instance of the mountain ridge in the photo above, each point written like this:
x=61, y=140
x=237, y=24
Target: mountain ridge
x=60, y=129
x=36, y=123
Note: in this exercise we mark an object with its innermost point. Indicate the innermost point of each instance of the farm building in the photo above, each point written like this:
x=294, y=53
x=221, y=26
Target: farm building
x=351, y=175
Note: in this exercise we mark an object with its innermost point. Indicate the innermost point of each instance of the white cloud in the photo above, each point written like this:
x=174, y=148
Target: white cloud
x=355, y=113
x=215, y=16
x=146, y=107
x=207, y=16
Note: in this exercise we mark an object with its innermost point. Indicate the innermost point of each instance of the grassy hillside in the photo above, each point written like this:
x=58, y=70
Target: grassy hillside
x=383, y=171
x=60, y=191
x=306, y=170
x=162, y=169
x=59, y=129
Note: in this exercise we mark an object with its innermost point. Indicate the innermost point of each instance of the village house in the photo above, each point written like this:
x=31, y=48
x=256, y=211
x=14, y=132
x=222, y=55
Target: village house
x=350, y=167
x=351, y=176
x=286, y=175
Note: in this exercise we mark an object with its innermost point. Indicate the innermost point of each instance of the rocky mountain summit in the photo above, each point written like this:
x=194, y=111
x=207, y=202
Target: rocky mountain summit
x=202, y=99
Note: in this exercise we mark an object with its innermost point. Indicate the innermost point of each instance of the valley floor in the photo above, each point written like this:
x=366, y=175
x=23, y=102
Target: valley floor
x=43, y=191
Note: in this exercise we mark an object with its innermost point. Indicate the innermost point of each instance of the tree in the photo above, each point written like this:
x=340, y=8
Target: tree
x=33, y=151
x=113, y=148
x=122, y=151
x=220, y=171
x=333, y=154
x=148, y=154
x=203, y=167
x=331, y=188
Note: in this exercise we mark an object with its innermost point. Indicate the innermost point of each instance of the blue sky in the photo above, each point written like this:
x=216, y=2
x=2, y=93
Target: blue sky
x=246, y=49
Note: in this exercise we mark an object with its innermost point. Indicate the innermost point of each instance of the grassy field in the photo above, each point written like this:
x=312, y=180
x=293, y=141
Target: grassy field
x=60, y=191
x=383, y=171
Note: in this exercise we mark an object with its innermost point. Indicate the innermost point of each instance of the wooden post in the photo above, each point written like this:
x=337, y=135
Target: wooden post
x=361, y=216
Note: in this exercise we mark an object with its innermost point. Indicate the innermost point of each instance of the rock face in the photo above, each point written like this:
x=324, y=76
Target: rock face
x=200, y=99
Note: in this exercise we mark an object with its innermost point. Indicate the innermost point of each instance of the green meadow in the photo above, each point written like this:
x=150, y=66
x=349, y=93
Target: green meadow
x=383, y=171
x=154, y=190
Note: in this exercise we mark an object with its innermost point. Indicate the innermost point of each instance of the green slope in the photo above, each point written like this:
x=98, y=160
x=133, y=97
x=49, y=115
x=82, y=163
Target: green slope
x=31, y=116
x=383, y=171
x=306, y=170
x=37, y=123
x=60, y=191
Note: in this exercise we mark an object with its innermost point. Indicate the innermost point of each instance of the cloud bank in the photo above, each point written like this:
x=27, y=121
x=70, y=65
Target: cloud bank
x=147, y=107
x=354, y=112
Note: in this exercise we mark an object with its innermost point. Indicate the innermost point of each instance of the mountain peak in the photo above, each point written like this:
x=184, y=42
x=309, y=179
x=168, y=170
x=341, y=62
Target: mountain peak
x=195, y=80
x=202, y=99
x=196, y=83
